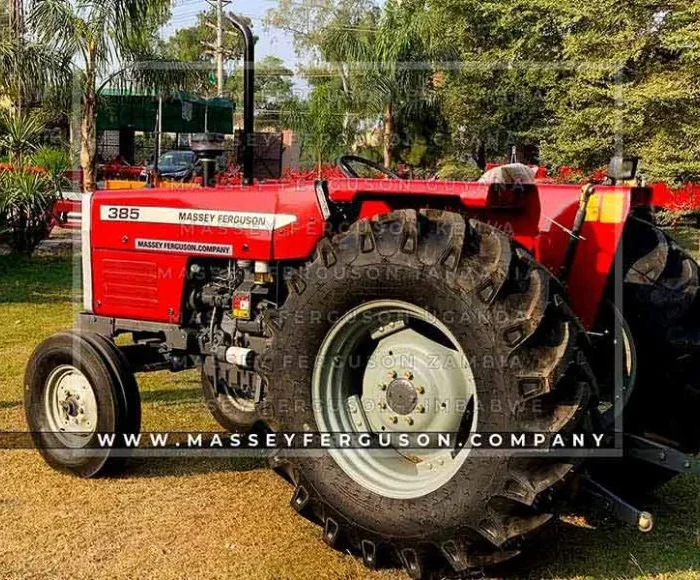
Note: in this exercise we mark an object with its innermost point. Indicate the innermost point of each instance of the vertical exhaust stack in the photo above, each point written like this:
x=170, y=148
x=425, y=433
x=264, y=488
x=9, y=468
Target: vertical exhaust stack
x=248, y=99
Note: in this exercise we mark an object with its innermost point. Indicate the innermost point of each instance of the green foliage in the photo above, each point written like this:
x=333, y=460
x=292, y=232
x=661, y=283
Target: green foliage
x=378, y=59
x=26, y=199
x=274, y=90
x=189, y=45
x=319, y=124
x=55, y=162
x=96, y=35
x=20, y=132
x=456, y=170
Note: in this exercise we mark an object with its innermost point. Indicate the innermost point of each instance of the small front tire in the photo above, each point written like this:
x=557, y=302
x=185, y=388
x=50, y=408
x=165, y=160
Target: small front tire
x=78, y=385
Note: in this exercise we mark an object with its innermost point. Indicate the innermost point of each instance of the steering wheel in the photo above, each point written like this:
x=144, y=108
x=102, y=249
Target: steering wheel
x=345, y=163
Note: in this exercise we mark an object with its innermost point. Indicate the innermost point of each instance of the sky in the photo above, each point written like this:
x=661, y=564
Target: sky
x=271, y=41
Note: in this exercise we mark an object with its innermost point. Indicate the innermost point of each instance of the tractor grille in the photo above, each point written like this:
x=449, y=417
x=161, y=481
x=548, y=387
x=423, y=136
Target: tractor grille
x=130, y=281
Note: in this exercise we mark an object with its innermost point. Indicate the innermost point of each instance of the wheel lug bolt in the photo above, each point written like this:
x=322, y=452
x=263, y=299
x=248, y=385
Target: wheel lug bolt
x=408, y=375
x=420, y=409
x=382, y=387
x=420, y=389
x=382, y=405
x=393, y=374
x=393, y=419
x=409, y=421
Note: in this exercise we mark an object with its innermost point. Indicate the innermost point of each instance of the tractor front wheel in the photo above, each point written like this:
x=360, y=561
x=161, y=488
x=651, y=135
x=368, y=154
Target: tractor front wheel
x=78, y=385
x=415, y=323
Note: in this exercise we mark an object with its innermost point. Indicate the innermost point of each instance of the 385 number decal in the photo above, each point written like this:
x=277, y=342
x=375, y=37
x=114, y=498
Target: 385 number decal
x=121, y=213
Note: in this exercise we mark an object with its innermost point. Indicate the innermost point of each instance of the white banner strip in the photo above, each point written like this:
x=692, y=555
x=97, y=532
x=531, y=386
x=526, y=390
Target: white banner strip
x=196, y=217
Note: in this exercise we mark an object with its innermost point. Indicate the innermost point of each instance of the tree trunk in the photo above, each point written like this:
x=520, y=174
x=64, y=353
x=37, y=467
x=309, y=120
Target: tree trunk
x=346, y=90
x=88, y=134
x=480, y=156
x=388, y=135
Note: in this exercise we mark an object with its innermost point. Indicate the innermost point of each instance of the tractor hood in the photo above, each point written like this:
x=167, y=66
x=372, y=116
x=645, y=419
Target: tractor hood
x=142, y=241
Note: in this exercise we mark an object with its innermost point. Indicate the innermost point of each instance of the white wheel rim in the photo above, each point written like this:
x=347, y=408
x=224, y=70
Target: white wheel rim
x=389, y=472
x=70, y=404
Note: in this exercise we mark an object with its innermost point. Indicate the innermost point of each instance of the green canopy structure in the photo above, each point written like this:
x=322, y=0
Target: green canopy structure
x=182, y=112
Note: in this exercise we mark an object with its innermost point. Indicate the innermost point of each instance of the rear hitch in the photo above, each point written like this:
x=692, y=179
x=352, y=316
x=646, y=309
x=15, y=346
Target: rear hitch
x=615, y=505
x=661, y=455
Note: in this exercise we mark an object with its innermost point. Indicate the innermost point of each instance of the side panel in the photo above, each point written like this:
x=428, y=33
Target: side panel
x=607, y=213
x=141, y=241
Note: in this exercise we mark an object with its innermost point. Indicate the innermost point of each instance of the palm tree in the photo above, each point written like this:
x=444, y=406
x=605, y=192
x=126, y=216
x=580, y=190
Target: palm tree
x=98, y=34
x=382, y=63
x=399, y=84
x=26, y=199
x=27, y=68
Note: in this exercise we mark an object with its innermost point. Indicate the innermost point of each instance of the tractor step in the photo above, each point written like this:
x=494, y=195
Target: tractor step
x=601, y=496
x=661, y=455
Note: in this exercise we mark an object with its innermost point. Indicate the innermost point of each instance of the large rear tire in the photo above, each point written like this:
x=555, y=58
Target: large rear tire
x=662, y=307
x=488, y=302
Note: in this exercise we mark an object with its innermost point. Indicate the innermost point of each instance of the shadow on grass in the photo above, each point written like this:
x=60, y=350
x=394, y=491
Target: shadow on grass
x=183, y=466
x=9, y=404
x=37, y=280
x=179, y=395
x=613, y=550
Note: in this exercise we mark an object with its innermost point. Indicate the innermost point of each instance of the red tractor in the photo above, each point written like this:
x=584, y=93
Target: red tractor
x=386, y=306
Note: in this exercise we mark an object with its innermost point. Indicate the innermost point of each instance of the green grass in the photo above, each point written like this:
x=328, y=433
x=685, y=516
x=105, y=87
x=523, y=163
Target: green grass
x=39, y=297
x=687, y=237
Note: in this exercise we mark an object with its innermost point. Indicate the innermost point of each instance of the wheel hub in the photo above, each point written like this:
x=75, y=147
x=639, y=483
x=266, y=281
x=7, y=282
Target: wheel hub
x=402, y=396
x=70, y=403
x=415, y=379
x=71, y=407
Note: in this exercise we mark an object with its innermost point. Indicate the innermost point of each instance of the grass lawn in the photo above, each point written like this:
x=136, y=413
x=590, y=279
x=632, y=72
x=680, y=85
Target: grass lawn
x=230, y=518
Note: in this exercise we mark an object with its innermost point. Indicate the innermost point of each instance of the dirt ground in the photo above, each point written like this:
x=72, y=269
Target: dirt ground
x=230, y=518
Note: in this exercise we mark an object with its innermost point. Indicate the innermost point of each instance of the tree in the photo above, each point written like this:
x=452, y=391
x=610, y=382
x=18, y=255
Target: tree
x=19, y=133
x=96, y=34
x=378, y=57
x=338, y=32
x=26, y=199
x=636, y=92
x=28, y=68
x=192, y=44
x=504, y=57
x=274, y=90
x=319, y=123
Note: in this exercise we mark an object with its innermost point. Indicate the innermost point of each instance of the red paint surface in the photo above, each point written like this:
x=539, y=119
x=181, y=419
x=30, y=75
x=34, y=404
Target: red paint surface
x=132, y=283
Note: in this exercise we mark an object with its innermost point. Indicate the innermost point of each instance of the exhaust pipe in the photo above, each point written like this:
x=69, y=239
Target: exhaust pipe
x=248, y=98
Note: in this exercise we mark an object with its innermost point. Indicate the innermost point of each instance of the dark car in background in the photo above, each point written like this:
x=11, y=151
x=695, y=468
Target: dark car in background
x=178, y=165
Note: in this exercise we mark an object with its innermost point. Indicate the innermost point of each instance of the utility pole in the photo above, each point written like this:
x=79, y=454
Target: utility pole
x=217, y=48
x=220, y=47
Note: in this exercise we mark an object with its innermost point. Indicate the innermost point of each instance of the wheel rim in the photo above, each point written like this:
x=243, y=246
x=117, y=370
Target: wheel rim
x=70, y=404
x=392, y=367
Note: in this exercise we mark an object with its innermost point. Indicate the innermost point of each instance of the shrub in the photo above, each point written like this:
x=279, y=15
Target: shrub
x=56, y=163
x=19, y=133
x=26, y=200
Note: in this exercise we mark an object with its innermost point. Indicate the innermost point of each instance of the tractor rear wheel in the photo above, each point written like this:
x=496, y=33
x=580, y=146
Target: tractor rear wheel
x=234, y=410
x=424, y=323
x=662, y=307
x=78, y=385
